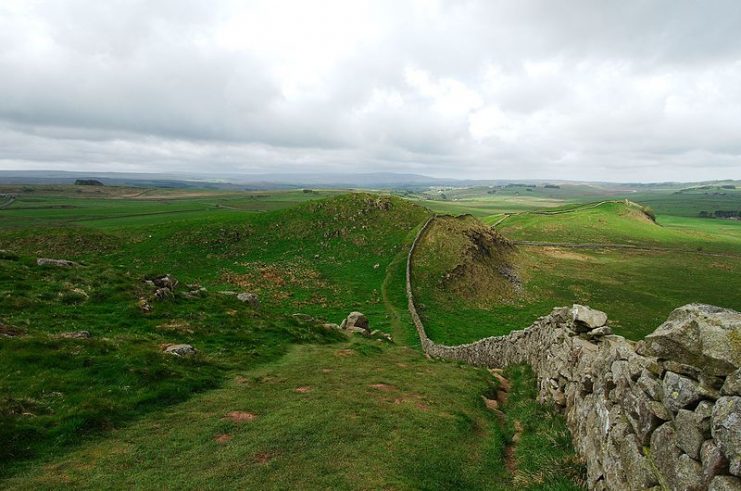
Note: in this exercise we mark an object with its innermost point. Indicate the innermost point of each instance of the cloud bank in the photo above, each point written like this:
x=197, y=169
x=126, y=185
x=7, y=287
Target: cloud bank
x=632, y=91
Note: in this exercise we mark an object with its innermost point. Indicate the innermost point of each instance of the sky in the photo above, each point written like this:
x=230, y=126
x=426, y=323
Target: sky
x=627, y=90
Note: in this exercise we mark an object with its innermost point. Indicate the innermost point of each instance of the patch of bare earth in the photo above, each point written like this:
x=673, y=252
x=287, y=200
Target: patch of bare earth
x=303, y=389
x=564, y=254
x=241, y=416
x=344, y=353
x=383, y=387
x=222, y=439
x=509, y=452
x=263, y=457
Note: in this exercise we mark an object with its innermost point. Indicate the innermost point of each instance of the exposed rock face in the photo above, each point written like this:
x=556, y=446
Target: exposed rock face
x=60, y=263
x=356, y=322
x=726, y=430
x=699, y=335
x=250, y=299
x=180, y=350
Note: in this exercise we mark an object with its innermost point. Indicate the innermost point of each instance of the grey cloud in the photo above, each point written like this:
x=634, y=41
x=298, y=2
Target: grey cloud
x=601, y=90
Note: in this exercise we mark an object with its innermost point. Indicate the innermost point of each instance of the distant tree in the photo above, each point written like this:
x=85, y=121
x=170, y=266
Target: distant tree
x=88, y=182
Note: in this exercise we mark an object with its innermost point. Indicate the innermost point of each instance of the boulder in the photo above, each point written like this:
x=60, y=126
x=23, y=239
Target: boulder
x=699, y=335
x=250, y=299
x=356, y=320
x=165, y=281
x=586, y=318
x=180, y=349
x=60, y=263
x=726, y=430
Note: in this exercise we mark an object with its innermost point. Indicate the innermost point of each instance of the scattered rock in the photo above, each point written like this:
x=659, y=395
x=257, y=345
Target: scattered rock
x=586, y=318
x=699, y=335
x=491, y=404
x=380, y=335
x=144, y=305
x=165, y=281
x=303, y=317
x=355, y=320
x=376, y=266
x=180, y=349
x=726, y=430
x=75, y=335
x=250, y=299
x=61, y=263
x=163, y=294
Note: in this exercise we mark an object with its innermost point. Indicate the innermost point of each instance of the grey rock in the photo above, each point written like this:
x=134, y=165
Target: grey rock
x=163, y=294
x=250, y=299
x=180, y=350
x=732, y=385
x=598, y=333
x=650, y=386
x=586, y=318
x=357, y=320
x=165, y=281
x=713, y=460
x=726, y=430
x=679, y=391
x=688, y=475
x=701, y=336
x=692, y=429
x=725, y=483
x=60, y=263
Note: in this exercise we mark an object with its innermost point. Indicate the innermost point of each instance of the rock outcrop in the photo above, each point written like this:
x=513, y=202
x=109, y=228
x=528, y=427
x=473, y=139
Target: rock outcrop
x=356, y=322
x=60, y=263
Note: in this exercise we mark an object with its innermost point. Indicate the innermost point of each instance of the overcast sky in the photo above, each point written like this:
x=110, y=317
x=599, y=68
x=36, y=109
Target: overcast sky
x=621, y=90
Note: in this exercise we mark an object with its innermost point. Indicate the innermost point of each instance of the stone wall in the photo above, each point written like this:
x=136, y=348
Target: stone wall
x=664, y=412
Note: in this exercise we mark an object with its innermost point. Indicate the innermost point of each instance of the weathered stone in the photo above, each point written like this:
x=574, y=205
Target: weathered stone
x=60, y=263
x=679, y=391
x=637, y=407
x=692, y=429
x=688, y=475
x=650, y=386
x=598, y=333
x=163, y=294
x=250, y=299
x=165, y=281
x=144, y=306
x=586, y=319
x=726, y=430
x=701, y=336
x=713, y=460
x=356, y=319
x=732, y=385
x=180, y=349
x=665, y=452
x=725, y=483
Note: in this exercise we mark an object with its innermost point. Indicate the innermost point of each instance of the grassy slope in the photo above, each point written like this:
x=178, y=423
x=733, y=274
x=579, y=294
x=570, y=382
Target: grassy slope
x=318, y=258
x=637, y=288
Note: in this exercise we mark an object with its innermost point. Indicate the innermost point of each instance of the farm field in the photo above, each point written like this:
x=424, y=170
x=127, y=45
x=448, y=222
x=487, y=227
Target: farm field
x=83, y=412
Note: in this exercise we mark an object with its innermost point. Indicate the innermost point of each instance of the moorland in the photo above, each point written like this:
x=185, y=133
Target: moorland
x=275, y=394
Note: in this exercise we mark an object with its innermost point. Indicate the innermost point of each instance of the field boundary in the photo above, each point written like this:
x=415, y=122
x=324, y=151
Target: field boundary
x=588, y=372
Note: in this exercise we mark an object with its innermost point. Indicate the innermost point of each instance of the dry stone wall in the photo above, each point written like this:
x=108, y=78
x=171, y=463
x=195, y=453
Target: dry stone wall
x=663, y=413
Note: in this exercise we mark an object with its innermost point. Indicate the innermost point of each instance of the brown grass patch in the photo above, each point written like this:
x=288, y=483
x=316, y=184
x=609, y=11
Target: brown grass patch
x=177, y=325
x=263, y=457
x=223, y=438
x=303, y=389
x=241, y=416
x=383, y=387
x=559, y=253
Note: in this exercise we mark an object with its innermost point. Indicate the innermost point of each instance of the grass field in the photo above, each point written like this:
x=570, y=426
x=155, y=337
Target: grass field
x=114, y=411
x=676, y=261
